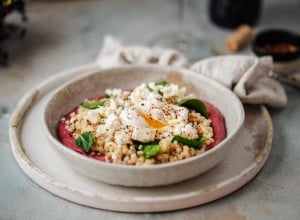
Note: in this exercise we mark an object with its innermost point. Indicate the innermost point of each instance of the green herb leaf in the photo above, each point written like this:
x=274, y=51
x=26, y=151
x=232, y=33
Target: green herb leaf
x=161, y=83
x=160, y=92
x=151, y=150
x=194, y=104
x=195, y=143
x=85, y=141
x=148, y=87
x=93, y=105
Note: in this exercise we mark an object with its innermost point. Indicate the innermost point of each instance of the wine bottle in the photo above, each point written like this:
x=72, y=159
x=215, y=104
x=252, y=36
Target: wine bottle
x=232, y=13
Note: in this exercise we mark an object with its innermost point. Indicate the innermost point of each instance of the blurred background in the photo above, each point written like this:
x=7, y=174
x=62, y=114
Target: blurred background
x=63, y=34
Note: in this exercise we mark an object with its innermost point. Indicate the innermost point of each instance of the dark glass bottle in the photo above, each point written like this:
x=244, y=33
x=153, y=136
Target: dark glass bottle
x=232, y=13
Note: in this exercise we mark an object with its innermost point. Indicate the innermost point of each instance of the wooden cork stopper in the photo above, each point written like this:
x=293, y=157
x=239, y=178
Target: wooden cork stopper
x=239, y=38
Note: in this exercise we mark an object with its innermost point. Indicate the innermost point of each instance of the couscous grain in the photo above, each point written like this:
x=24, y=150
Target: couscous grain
x=138, y=127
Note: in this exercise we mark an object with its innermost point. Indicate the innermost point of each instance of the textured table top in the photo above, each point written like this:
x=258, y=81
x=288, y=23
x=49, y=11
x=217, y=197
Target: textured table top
x=63, y=34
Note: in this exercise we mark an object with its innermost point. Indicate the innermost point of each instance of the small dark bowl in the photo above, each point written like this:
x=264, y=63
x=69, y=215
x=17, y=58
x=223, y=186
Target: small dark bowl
x=276, y=36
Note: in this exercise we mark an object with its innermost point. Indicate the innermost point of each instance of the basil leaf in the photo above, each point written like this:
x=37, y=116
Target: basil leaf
x=161, y=83
x=148, y=87
x=195, y=143
x=85, y=141
x=93, y=105
x=194, y=104
x=151, y=150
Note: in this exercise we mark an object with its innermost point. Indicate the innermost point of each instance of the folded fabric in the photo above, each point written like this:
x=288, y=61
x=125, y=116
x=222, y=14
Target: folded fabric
x=247, y=76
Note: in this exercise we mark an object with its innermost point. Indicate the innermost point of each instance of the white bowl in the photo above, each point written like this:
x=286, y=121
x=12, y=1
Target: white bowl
x=91, y=85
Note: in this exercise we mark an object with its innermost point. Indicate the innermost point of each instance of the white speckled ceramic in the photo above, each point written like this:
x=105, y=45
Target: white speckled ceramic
x=68, y=96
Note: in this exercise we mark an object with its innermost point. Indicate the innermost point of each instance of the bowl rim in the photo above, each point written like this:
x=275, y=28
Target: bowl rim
x=61, y=147
x=285, y=35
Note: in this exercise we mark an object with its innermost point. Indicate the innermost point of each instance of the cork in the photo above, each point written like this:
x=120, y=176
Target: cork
x=239, y=38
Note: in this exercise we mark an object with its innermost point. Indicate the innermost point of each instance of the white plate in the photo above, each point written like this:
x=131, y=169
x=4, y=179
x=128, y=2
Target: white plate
x=40, y=162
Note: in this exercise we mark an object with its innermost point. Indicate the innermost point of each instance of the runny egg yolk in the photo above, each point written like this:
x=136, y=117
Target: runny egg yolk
x=151, y=121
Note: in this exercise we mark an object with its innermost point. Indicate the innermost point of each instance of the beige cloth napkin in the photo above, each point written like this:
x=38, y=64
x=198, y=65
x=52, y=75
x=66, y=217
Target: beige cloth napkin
x=245, y=75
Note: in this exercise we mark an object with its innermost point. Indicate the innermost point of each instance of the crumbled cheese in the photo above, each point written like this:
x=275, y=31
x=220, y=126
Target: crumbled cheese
x=170, y=91
x=113, y=92
x=186, y=130
x=173, y=91
x=131, y=117
x=111, y=124
x=139, y=94
x=122, y=137
x=182, y=113
x=143, y=134
x=92, y=116
x=111, y=119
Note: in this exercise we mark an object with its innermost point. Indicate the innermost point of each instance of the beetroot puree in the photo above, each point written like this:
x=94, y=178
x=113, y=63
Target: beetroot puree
x=68, y=140
x=218, y=125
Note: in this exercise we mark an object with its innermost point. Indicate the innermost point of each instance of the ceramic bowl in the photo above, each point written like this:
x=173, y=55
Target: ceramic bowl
x=284, y=62
x=71, y=94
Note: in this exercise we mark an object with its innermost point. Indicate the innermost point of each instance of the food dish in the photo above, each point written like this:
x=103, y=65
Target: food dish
x=154, y=123
x=72, y=94
x=282, y=45
x=250, y=150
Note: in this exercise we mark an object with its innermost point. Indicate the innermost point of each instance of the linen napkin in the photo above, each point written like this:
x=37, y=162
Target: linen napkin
x=245, y=75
